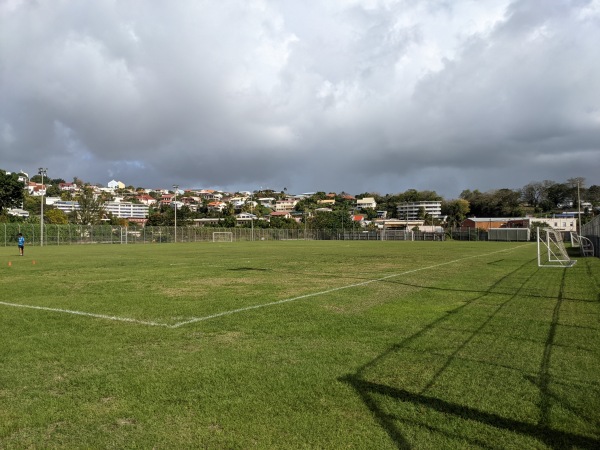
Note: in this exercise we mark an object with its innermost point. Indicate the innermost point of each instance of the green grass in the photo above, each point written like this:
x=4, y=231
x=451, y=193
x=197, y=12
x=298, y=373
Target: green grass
x=356, y=345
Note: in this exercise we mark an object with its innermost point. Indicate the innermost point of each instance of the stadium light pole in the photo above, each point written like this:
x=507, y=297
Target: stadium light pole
x=42, y=171
x=175, y=187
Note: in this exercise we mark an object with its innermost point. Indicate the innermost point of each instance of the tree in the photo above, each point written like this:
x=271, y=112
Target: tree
x=55, y=216
x=11, y=190
x=507, y=203
x=556, y=194
x=533, y=193
x=593, y=195
x=455, y=211
x=283, y=222
x=90, y=208
x=331, y=220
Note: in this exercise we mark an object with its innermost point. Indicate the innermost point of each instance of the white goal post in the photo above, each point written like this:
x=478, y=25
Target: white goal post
x=551, y=249
x=222, y=236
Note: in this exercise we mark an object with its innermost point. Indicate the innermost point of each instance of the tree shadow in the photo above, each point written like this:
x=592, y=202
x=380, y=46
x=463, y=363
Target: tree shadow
x=370, y=392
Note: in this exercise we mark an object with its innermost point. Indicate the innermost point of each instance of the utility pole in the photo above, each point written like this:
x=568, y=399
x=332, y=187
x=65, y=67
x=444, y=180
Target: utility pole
x=175, y=187
x=42, y=171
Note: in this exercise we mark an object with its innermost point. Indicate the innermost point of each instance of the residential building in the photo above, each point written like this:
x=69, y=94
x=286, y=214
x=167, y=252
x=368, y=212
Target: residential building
x=217, y=206
x=286, y=204
x=17, y=212
x=113, y=184
x=66, y=206
x=36, y=189
x=282, y=214
x=326, y=202
x=126, y=210
x=68, y=187
x=146, y=199
x=244, y=218
x=560, y=222
x=414, y=210
x=367, y=202
x=267, y=201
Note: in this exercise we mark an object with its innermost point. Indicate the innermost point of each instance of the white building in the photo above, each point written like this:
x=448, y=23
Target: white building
x=126, y=210
x=412, y=210
x=66, y=206
x=367, y=202
x=122, y=210
x=17, y=212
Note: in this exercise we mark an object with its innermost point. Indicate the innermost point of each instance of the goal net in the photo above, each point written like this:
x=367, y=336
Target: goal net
x=222, y=236
x=585, y=245
x=551, y=249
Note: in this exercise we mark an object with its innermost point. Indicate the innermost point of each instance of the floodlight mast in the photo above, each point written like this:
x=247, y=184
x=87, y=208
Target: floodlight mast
x=175, y=187
x=42, y=171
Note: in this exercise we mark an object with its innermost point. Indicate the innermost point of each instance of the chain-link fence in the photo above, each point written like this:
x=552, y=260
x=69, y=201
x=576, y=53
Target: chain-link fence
x=591, y=230
x=107, y=234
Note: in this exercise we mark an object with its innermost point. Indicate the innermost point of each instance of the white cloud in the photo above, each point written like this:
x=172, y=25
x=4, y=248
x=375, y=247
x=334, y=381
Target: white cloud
x=336, y=95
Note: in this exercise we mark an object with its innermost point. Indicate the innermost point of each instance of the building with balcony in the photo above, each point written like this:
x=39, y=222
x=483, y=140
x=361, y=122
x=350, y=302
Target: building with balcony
x=415, y=210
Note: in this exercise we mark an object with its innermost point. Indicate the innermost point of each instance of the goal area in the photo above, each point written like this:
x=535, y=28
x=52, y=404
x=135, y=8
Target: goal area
x=222, y=236
x=551, y=249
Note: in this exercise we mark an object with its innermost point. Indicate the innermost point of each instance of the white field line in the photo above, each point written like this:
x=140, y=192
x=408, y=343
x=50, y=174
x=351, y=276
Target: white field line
x=247, y=308
x=328, y=291
x=82, y=313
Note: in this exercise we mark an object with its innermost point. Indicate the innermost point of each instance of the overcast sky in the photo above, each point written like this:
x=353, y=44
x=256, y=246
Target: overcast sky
x=312, y=95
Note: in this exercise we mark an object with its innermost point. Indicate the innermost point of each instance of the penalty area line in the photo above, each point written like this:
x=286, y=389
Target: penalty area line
x=87, y=314
x=328, y=291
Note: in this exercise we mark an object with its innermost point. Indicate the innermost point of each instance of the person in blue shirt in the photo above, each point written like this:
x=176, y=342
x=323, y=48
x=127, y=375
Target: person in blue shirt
x=21, y=243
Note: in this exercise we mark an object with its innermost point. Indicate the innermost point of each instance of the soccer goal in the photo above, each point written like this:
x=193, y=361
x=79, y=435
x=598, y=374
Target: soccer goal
x=585, y=246
x=551, y=249
x=222, y=236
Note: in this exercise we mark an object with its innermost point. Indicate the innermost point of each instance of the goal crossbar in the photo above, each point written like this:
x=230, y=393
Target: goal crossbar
x=222, y=236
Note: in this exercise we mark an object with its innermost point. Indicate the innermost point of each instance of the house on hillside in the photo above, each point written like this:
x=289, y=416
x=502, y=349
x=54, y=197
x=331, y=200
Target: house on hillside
x=282, y=214
x=217, y=206
x=113, y=184
x=36, y=189
x=68, y=187
x=287, y=204
x=367, y=202
x=359, y=219
x=146, y=199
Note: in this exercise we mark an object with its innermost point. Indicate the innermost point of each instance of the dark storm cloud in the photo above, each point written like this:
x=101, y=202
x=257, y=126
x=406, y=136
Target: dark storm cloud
x=354, y=96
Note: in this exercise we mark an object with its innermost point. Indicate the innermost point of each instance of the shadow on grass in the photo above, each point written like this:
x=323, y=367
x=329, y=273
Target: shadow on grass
x=366, y=279
x=540, y=428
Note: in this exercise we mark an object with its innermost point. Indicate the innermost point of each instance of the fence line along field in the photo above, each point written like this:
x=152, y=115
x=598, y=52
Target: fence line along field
x=298, y=344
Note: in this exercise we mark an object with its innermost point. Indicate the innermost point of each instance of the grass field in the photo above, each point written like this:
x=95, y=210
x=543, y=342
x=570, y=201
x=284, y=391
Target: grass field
x=298, y=344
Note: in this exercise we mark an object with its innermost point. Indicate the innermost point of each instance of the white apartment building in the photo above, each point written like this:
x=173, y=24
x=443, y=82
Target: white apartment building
x=367, y=202
x=122, y=210
x=126, y=210
x=411, y=210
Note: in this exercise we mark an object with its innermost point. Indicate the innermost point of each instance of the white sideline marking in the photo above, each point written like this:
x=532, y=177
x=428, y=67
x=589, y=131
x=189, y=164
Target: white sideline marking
x=247, y=308
x=81, y=313
x=328, y=291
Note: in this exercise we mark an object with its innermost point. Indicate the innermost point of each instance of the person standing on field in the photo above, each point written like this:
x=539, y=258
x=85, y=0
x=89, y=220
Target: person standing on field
x=21, y=243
